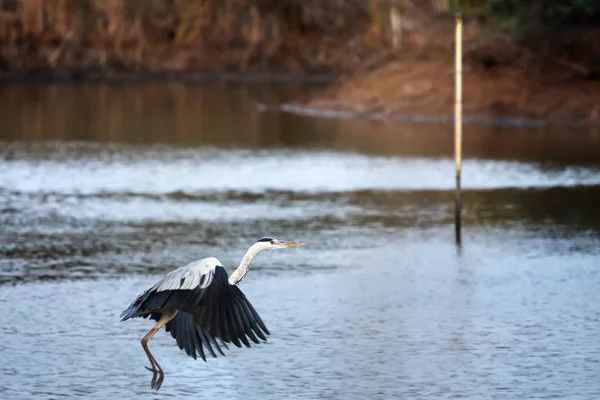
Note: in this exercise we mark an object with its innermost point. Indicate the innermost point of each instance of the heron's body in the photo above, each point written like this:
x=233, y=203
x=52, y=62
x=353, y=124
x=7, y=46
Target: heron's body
x=202, y=307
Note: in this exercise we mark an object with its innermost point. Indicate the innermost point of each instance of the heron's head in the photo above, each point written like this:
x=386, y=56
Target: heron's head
x=268, y=243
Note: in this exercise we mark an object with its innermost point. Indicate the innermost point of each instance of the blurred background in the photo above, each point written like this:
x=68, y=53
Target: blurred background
x=137, y=136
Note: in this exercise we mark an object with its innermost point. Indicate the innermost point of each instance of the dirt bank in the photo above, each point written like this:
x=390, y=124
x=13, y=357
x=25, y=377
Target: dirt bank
x=500, y=81
x=426, y=89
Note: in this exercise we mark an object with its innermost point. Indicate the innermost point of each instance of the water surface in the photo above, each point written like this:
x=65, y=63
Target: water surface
x=105, y=188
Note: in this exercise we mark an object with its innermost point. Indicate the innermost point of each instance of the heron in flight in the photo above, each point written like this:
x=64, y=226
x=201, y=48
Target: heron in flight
x=202, y=307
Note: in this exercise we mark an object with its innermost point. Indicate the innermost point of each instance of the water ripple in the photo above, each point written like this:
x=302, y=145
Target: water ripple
x=252, y=171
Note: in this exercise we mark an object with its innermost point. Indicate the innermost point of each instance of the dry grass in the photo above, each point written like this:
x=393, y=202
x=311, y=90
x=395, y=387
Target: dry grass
x=221, y=35
x=289, y=36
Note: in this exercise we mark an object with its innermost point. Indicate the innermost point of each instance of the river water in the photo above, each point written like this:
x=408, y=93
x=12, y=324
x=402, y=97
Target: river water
x=104, y=188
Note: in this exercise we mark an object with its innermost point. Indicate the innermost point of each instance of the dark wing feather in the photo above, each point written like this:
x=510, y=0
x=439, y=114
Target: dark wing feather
x=225, y=312
x=183, y=331
x=190, y=337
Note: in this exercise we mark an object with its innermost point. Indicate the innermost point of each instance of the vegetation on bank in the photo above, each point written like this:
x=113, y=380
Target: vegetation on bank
x=560, y=32
x=290, y=36
x=176, y=35
x=527, y=16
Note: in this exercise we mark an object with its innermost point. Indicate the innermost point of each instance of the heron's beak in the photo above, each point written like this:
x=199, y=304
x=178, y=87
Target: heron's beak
x=293, y=244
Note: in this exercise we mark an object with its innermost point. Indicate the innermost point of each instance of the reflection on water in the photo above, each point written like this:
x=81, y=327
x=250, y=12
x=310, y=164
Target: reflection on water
x=226, y=116
x=101, y=186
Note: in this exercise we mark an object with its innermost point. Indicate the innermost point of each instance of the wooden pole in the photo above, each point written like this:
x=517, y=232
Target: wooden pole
x=458, y=126
x=396, y=27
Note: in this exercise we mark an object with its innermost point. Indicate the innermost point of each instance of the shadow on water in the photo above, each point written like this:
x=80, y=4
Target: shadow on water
x=103, y=185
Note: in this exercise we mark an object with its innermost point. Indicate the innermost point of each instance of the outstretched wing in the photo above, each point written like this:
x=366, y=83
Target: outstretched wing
x=202, y=290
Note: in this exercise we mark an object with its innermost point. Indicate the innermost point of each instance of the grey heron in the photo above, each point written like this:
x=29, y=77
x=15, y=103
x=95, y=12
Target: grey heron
x=202, y=307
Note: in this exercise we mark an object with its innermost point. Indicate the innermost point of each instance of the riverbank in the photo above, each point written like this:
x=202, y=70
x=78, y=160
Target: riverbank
x=425, y=91
x=501, y=82
x=109, y=76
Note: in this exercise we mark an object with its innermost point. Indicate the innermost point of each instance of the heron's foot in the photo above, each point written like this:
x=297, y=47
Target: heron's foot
x=157, y=377
x=157, y=380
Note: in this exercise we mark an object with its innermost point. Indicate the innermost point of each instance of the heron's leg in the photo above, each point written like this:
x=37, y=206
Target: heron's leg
x=157, y=378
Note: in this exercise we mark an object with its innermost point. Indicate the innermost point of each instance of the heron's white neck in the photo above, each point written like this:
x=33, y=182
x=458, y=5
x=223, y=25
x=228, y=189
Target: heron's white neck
x=242, y=270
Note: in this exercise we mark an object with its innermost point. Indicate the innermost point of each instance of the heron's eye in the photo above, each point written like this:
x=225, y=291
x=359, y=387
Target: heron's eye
x=272, y=242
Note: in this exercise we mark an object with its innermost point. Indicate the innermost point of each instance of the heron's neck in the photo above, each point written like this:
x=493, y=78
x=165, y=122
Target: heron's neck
x=242, y=270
